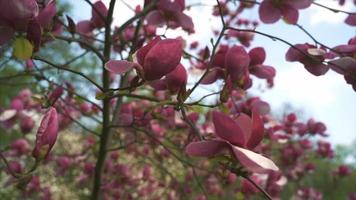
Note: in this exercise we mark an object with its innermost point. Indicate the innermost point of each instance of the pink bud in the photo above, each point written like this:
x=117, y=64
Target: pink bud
x=26, y=124
x=97, y=19
x=46, y=134
x=20, y=146
x=57, y=92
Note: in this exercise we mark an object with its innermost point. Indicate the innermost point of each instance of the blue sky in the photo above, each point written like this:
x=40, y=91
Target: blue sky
x=327, y=98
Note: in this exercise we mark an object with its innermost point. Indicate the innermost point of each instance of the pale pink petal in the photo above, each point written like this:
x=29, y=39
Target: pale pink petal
x=7, y=114
x=252, y=161
x=119, y=66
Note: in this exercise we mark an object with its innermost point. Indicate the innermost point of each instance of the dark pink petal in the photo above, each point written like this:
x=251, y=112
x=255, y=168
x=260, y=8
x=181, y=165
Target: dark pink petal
x=155, y=18
x=290, y=14
x=17, y=13
x=206, y=148
x=141, y=53
x=257, y=132
x=6, y=34
x=46, y=15
x=268, y=12
x=345, y=48
x=316, y=69
x=257, y=55
x=299, y=4
x=162, y=58
x=351, y=20
x=343, y=65
x=170, y=6
x=294, y=55
x=34, y=33
x=263, y=71
x=99, y=7
x=236, y=61
x=212, y=76
x=252, y=161
x=261, y=107
x=185, y=22
x=119, y=66
x=245, y=123
x=55, y=95
x=177, y=79
x=46, y=134
x=228, y=129
x=159, y=84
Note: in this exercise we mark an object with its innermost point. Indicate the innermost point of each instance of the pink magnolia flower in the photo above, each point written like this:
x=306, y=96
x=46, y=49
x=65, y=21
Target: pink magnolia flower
x=240, y=136
x=46, y=134
x=154, y=60
x=256, y=67
x=86, y=27
x=170, y=12
x=271, y=11
x=25, y=16
x=310, y=56
x=174, y=81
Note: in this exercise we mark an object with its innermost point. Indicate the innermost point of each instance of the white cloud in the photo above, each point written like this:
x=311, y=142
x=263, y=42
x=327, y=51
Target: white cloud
x=319, y=15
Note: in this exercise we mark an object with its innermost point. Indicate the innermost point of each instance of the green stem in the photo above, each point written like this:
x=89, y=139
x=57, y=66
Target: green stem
x=106, y=107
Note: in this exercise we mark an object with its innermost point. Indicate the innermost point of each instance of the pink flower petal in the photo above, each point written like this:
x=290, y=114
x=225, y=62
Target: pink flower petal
x=6, y=34
x=212, y=76
x=141, y=53
x=46, y=15
x=185, y=22
x=119, y=66
x=100, y=7
x=162, y=58
x=290, y=14
x=299, y=4
x=252, y=161
x=85, y=27
x=263, y=71
x=268, y=12
x=228, y=129
x=236, y=61
x=316, y=69
x=245, y=123
x=155, y=18
x=206, y=148
x=177, y=79
x=261, y=107
x=46, y=134
x=294, y=55
x=343, y=65
x=257, y=132
x=351, y=20
x=257, y=55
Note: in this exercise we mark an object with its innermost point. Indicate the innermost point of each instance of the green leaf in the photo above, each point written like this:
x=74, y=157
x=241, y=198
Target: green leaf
x=22, y=48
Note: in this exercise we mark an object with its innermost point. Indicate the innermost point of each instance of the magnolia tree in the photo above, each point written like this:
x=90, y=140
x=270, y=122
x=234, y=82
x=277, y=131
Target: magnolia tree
x=128, y=127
